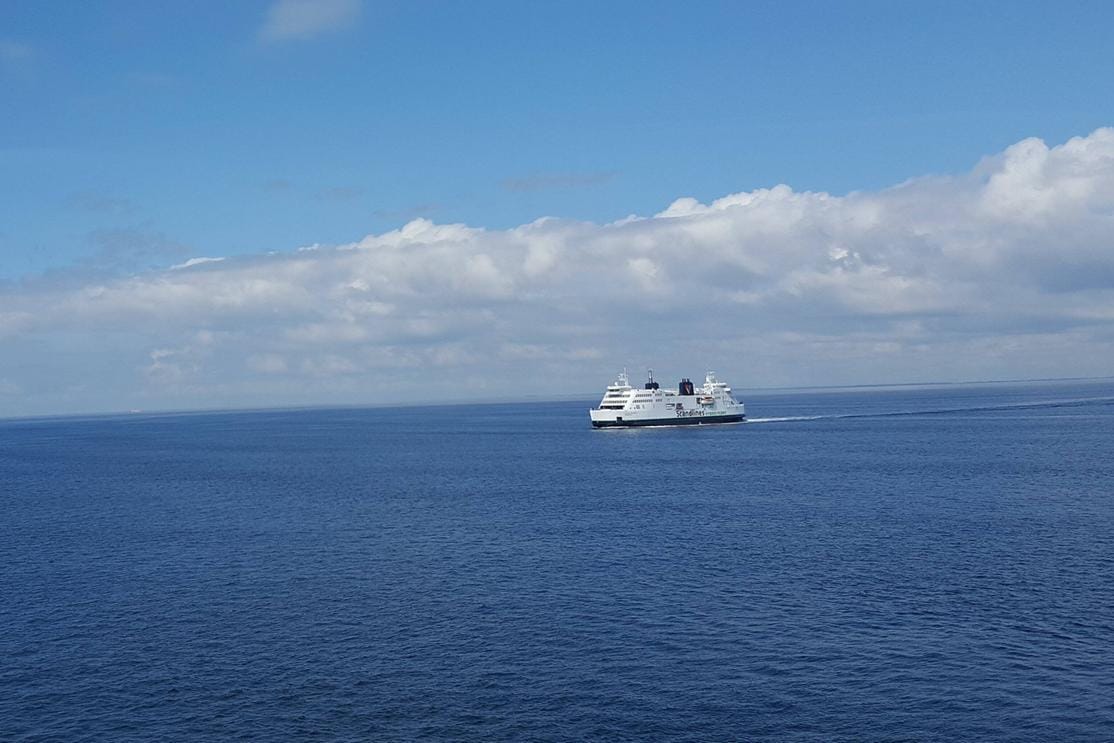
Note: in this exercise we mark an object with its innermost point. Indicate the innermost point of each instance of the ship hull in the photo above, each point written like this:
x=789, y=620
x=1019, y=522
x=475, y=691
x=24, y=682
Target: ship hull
x=675, y=421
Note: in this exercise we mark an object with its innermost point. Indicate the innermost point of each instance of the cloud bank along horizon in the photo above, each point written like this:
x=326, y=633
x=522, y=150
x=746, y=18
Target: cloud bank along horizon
x=1004, y=271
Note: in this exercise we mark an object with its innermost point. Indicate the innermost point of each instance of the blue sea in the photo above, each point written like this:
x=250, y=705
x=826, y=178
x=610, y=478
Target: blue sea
x=904, y=564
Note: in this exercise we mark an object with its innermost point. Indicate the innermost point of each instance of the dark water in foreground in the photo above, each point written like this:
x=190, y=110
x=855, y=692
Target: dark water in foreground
x=506, y=572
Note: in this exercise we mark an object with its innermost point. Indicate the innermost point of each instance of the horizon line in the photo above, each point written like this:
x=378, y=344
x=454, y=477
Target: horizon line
x=457, y=402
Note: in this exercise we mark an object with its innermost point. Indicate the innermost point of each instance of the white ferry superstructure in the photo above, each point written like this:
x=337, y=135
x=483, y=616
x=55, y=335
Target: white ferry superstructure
x=623, y=405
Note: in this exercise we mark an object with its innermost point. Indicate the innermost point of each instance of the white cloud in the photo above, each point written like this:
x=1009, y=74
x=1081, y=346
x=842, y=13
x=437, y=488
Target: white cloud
x=1004, y=271
x=268, y=363
x=329, y=365
x=12, y=323
x=195, y=262
x=289, y=20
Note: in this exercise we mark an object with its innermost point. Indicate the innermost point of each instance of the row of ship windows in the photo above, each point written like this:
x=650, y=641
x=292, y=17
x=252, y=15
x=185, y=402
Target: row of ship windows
x=618, y=404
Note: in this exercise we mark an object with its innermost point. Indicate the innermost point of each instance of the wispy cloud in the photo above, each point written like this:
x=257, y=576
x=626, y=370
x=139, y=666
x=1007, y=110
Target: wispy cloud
x=410, y=212
x=195, y=262
x=290, y=20
x=340, y=193
x=549, y=181
x=277, y=185
x=131, y=249
x=15, y=51
x=1006, y=270
x=100, y=203
x=17, y=58
x=153, y=80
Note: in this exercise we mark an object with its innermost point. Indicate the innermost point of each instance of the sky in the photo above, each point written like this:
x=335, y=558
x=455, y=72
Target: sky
x=299, y=202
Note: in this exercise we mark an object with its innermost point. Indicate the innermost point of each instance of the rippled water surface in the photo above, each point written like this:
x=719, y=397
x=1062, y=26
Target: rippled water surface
x=918, y=564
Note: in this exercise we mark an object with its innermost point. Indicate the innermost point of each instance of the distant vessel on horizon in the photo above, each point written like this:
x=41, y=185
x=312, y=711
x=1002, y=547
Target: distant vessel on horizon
x=624, y=406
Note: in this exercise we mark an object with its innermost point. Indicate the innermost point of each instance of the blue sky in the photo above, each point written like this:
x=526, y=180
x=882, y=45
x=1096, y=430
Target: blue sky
x=136, y=136
x=180, y=121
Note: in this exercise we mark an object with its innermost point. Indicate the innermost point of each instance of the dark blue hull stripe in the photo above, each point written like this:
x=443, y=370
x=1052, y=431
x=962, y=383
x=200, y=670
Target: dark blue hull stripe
x=693, y=421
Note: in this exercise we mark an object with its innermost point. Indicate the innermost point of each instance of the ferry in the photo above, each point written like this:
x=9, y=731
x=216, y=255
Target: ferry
x=623, y=405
